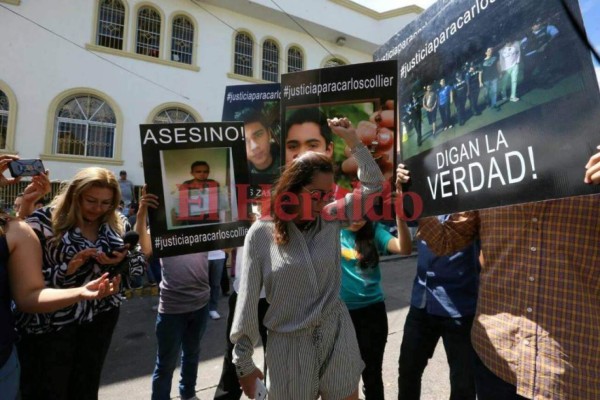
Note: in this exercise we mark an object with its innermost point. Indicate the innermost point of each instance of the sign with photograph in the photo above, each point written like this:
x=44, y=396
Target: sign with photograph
x=257, y=107
x=499, y=102
x=363, y=93
x=199, y=173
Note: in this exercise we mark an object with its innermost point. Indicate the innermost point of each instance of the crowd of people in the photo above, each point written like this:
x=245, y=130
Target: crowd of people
x=512, y=291
x=524, y=62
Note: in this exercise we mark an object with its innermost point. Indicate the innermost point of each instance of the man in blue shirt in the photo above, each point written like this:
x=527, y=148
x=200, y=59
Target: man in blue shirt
x=445, y=99
x=443, y=302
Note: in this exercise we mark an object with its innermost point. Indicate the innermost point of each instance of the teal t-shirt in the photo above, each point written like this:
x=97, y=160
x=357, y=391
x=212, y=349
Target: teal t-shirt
x=361, y=287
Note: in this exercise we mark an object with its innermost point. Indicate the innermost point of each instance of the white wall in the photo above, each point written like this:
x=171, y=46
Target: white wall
x=38, y=66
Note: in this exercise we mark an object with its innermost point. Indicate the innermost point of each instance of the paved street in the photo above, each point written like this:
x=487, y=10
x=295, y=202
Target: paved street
x=128, y=369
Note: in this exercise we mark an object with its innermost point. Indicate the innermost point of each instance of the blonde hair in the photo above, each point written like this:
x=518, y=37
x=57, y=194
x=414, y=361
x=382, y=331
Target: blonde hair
x=67, y=209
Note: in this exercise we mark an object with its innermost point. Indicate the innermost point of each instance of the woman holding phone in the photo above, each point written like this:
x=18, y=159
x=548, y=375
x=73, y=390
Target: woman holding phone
x=21, y=281
x=62, y=353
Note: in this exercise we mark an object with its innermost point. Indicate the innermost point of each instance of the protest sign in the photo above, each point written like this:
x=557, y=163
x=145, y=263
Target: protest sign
x=364, y=93
x=195, y=169
x=499, y=102
x=257, y=106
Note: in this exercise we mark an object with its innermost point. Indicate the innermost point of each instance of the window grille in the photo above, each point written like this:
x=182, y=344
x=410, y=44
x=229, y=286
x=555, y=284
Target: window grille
x=111, y=24
x=243, y=55
x=4, y=108
x=173, y=115
x=270, y=61
x=85, y=126
x=295, y=60
x=334, y=62
x=148, y=32
x=182, y=42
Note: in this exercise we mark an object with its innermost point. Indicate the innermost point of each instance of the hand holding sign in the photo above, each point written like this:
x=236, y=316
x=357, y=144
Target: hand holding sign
x=592, y=173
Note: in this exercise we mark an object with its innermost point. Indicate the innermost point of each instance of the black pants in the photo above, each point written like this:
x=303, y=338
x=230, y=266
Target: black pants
x=229, y=386
x=416, y=118
x=491, y=387
x=225, y=278
x=460, y=109
x=66, y=365
x=474, y=98
x=371, y=327
x=421, y=334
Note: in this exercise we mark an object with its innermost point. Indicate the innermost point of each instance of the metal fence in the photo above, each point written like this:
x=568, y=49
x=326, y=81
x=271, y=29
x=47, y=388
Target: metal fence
x=10, y=192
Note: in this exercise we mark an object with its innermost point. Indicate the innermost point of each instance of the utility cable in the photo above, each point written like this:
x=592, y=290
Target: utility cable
x=97, y=55
x=301, y=27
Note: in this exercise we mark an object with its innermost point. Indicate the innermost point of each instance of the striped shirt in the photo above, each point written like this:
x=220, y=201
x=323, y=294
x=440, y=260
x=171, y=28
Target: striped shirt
x=56, y=258
x=301, y=278
x=538, y=316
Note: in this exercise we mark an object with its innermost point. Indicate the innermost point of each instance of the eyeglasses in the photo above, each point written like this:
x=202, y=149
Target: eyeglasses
x=319, y=195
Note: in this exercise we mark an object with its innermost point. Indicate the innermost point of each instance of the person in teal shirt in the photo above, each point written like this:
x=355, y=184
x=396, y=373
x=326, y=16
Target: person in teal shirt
x=362, y=242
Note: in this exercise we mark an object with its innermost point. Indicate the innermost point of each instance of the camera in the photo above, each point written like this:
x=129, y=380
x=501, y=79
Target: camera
x=26, y=167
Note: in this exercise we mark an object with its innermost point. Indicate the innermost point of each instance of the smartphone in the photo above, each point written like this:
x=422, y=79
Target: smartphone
x=26, y=167
x=111, y=252
x=261, y=390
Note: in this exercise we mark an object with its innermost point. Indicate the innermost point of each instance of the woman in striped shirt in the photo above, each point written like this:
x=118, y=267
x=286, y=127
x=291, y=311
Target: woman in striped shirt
x=62, y=353
x=296, y=256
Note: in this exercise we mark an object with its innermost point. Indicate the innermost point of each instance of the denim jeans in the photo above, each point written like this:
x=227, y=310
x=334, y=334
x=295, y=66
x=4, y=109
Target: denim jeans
x=445, y=114
x=178, y=334
x=215, y=271
x=371, y=326
x=491, y=387
x=491, y=87
x=421, y=334
x=9, y=377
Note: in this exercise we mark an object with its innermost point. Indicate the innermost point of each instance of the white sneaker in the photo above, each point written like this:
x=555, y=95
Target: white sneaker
x=214, y=315
x=514, y=99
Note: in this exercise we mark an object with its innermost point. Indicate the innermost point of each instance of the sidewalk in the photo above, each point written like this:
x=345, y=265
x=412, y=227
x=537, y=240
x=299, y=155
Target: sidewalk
x=127, y=373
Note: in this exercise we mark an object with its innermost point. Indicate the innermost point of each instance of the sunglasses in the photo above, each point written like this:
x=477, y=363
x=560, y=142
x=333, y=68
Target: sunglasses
x=319, y=195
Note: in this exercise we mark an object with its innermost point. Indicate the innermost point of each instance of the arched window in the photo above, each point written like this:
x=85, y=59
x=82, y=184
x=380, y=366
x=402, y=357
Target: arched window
x=244, y=48
x=148, y=32
x=270, y=61
x=111, y=24
x=4, y=110
x=85, y=126
x=173, y=115
x=334, y=62
x=182, y=40
x=295, y=60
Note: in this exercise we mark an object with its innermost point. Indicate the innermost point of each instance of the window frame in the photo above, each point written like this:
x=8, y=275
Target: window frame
x=139, y=8
x=277, y=57
x=169, y=106
x=52, y=128
x=125, y=26
x=332, y=58
x=252, y=59
x=302, y=57
x=11, y=119
x=194, y=23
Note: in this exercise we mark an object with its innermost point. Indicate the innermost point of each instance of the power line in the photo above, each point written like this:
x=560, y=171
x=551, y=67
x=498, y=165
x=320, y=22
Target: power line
x=280, y=58
x=301, y=27
x=282, y=10
x=97, y=55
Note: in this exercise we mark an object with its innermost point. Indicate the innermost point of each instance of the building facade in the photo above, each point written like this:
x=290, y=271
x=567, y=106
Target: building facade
x=78, y=77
